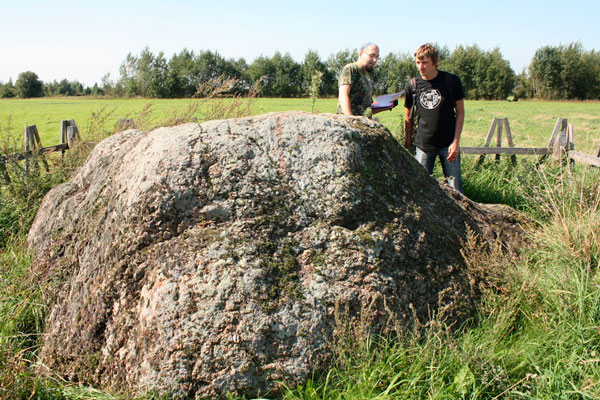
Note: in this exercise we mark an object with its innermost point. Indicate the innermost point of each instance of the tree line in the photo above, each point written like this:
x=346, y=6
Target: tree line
x=555, y=72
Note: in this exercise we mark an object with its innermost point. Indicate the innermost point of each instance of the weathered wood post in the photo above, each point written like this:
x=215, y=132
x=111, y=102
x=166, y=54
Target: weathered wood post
x=488, y=139
x=570, y=143
x=28, y=143
x=499, y=136
x=125, y=123
x=496, y=128
x=39, y=146
x=559, y=140
x=31, y=145
x=513, y=157
x=72, y=136
x=69, y=133
x=63, y=133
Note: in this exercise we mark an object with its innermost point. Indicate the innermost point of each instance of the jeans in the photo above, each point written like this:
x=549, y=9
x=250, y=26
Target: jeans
x=451, y=168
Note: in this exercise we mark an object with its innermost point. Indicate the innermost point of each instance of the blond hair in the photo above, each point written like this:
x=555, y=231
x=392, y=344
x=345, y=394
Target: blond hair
x=427, y=50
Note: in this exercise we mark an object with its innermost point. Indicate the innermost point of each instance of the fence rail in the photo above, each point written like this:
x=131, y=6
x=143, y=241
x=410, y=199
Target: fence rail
x=585, y=158
x=33, y=149
x=560, y=146
x=536, y=151
x=32, y=153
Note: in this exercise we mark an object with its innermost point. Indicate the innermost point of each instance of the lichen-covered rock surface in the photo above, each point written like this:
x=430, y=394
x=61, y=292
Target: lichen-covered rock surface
x=201, y=260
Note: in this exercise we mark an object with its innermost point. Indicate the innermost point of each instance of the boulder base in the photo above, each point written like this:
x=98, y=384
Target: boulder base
x=216, y=258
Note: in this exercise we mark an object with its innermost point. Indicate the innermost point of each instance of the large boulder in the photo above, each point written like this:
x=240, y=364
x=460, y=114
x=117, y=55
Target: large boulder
x=220, y=258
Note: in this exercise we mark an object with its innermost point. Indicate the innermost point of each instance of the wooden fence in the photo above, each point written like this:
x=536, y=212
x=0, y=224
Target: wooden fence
x=561, y=144
x=33, y=149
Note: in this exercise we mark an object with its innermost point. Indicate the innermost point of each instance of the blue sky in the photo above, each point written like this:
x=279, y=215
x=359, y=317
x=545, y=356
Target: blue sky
x=84, y=40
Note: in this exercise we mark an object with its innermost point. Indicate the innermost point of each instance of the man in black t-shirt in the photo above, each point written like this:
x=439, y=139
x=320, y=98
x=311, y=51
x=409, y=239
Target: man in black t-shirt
x=439, y=101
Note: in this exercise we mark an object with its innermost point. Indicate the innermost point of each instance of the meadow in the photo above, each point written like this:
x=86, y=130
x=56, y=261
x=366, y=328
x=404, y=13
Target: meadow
x=531, y=122
x=535, y=333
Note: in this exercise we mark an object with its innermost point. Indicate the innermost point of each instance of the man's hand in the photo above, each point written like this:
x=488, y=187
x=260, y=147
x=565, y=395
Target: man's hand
x=453, y=151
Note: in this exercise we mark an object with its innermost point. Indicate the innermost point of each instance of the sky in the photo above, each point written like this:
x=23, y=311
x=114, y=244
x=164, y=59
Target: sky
x=85, y=40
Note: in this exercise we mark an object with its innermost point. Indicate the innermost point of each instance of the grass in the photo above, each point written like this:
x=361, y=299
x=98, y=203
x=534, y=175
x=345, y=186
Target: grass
x=537, y=330
x=531, y=122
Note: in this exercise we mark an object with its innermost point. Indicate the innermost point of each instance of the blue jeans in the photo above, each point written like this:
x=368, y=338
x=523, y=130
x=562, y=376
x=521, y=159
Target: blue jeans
x=451, y=168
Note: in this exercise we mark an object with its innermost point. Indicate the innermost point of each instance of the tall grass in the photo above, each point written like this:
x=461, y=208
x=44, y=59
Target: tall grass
x=22, y=313
x=536, y=333
x=23, y=296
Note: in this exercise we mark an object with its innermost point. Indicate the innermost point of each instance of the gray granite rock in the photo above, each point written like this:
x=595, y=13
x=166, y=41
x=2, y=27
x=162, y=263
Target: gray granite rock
x=201, y=260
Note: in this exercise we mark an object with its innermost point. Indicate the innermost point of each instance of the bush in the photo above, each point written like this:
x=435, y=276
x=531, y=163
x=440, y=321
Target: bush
x=29, y=85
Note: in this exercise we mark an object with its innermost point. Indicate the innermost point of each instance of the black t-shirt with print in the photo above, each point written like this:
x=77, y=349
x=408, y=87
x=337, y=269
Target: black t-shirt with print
x=435, y=109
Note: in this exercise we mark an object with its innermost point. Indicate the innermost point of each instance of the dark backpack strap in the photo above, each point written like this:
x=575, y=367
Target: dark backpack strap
x=413, y=86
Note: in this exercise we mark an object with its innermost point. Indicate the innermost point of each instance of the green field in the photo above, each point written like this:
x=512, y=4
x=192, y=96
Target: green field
x=535, y=332
x=531, y=122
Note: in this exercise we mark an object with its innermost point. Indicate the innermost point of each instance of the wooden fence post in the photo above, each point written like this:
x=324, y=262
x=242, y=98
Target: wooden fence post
x=27, y=144
x=488, y=139
x=125, y=124
x=570, y=142
x=72, y=135
x=63, y=133
x=513, y=157
x=496, y=127
x=499, y=137
x=69, y=133
x=558, y=127
x=38, y=142
x=31, y=144
x=560, y=135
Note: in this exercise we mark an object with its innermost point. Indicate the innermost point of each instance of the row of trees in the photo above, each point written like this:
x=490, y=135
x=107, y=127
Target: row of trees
x=487, y=74
x=563, y=72
x=29, y=85
x=555, y=72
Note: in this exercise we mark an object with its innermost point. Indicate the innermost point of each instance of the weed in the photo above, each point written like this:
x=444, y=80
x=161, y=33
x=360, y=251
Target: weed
x=216, y=101
x=315, y=84
x=536, y=331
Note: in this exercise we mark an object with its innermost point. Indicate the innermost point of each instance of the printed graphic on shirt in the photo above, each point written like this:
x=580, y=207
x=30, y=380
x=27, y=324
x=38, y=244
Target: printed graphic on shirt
x=430, y=99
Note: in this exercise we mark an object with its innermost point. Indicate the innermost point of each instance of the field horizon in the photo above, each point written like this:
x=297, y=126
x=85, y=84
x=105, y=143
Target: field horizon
x=531, y=121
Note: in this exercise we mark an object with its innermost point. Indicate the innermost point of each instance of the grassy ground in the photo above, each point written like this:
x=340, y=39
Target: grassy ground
x=531, y=122
x=537, y=331
x=536, y=334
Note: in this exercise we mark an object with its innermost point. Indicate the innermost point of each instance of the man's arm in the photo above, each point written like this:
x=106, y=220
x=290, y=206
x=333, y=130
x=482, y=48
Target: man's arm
x=344, y=99
x=454, y=149
x=408, y=129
